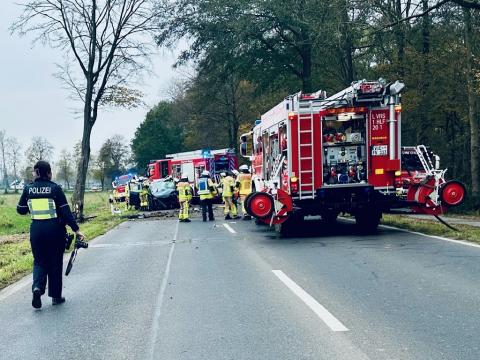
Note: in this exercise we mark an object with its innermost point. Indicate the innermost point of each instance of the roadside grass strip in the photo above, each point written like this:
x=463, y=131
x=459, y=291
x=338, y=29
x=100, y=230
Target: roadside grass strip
x=331, y=321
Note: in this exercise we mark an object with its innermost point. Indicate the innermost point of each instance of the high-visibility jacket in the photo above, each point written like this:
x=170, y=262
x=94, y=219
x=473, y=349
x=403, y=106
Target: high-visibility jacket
x=245, y=183
x=184, y=191
x=205, y=188
x=45, y=201
x=228, y=184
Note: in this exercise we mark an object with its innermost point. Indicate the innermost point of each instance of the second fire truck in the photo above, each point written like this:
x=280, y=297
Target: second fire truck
x=318, y=155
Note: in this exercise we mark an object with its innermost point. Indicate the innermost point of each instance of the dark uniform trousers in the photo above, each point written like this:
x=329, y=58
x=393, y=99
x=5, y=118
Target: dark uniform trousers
x=207, y=206
x=47, y=238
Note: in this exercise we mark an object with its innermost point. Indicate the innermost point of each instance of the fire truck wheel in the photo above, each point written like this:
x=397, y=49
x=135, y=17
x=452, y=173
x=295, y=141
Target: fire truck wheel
x=452, y=193
x=367, y=221
x=247, y=203
x=260, y=205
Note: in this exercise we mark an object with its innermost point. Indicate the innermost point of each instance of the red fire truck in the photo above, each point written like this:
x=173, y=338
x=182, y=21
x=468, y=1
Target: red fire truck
x=193, y=163
x=318, y=155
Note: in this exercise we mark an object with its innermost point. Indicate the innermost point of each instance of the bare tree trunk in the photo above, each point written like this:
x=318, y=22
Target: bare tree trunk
x=347, y=45
x=82, y=167
x=4, y=163
x=472, y=107
x=400, y=38
x=424, y=126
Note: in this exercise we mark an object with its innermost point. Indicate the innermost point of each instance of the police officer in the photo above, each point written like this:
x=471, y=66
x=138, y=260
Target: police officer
x=50, y=213
x=184, y=197
x=206, y=190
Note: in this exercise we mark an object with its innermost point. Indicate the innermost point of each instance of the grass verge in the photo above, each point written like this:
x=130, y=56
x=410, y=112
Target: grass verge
x=468, y=233
x=16, y=259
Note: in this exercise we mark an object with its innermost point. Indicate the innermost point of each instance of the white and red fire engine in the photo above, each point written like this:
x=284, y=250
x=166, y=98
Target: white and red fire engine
x=193, y=163
x=313, y=155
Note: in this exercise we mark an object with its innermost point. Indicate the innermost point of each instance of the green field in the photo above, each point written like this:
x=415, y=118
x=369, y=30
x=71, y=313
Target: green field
x=15, y=255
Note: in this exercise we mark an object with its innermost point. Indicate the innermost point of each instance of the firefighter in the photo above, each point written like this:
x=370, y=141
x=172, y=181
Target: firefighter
x=236, y=195
x=144, y=197
x=228, y=188
x=184, y=198
x=244, y=184
x=206, y=190
x=50, y=213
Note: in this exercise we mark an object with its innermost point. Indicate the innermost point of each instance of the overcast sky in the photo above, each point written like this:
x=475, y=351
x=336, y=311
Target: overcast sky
x=33, y=102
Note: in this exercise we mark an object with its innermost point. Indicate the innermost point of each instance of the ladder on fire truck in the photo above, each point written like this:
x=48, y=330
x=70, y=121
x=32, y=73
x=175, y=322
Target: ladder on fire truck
x=306, y=107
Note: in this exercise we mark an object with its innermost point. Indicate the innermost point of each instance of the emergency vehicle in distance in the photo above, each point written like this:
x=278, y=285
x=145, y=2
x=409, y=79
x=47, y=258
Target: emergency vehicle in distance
x=193, y=163
x=119, y=185
x=313, y=155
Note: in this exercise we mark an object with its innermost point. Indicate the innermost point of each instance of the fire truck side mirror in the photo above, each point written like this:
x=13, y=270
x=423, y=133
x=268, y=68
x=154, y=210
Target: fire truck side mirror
x=243, y=149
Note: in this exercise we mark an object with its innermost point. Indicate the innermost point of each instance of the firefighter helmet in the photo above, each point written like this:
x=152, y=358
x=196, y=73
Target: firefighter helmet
x=243, y=168
x=205, y=173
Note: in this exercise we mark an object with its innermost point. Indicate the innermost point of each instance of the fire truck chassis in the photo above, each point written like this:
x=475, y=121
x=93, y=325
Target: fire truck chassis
x=313, y=155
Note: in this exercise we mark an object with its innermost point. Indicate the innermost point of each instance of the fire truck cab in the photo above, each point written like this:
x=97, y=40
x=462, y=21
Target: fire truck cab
x=318, y=155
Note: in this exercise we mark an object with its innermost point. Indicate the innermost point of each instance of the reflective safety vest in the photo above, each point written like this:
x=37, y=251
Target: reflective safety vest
x=227, y=186
x=245, y=181
x=203, y=186
x=184, y=191
x=42, y=209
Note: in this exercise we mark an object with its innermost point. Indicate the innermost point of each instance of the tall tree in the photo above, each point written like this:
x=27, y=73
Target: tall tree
x=14, y=149
x=3, y=153
x=105, y=41
x=157, y=135
x=39, y=149
x=473, y=103
x=65, y=167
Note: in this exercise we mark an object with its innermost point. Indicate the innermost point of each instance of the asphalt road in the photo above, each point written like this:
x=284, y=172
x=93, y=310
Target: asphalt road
x=164, y=290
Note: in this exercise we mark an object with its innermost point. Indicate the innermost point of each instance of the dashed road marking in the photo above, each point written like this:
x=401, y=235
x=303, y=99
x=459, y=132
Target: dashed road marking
x=229, y=228
x=331, y=321
x=161, y=295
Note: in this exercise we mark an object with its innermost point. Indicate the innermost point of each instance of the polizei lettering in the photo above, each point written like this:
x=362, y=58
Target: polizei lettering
x=40, y=190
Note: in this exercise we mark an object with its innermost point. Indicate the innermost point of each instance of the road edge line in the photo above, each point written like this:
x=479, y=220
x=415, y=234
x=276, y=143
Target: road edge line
x=326, y=316
x=460, y=242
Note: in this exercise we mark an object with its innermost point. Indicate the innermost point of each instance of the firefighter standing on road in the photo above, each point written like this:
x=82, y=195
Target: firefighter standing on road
x=244, y=183
x=50, y=213
x=206, y=190
x=144, y=196
x=184, y=197
x=228, y=188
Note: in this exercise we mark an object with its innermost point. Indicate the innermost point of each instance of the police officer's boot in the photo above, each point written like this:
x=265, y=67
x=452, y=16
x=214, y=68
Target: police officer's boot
x=58, y=301
x=37, y=298
x=228, y=217
x=186, y=220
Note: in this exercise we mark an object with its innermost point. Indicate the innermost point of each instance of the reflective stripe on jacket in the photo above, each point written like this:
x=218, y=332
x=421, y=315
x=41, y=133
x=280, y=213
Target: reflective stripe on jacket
x=42, y=209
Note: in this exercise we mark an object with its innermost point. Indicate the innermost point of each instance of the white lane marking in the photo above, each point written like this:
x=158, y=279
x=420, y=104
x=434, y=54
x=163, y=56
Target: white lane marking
x=229, y=228
x=331, y=321
x=161, y=295
x=460, y=242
